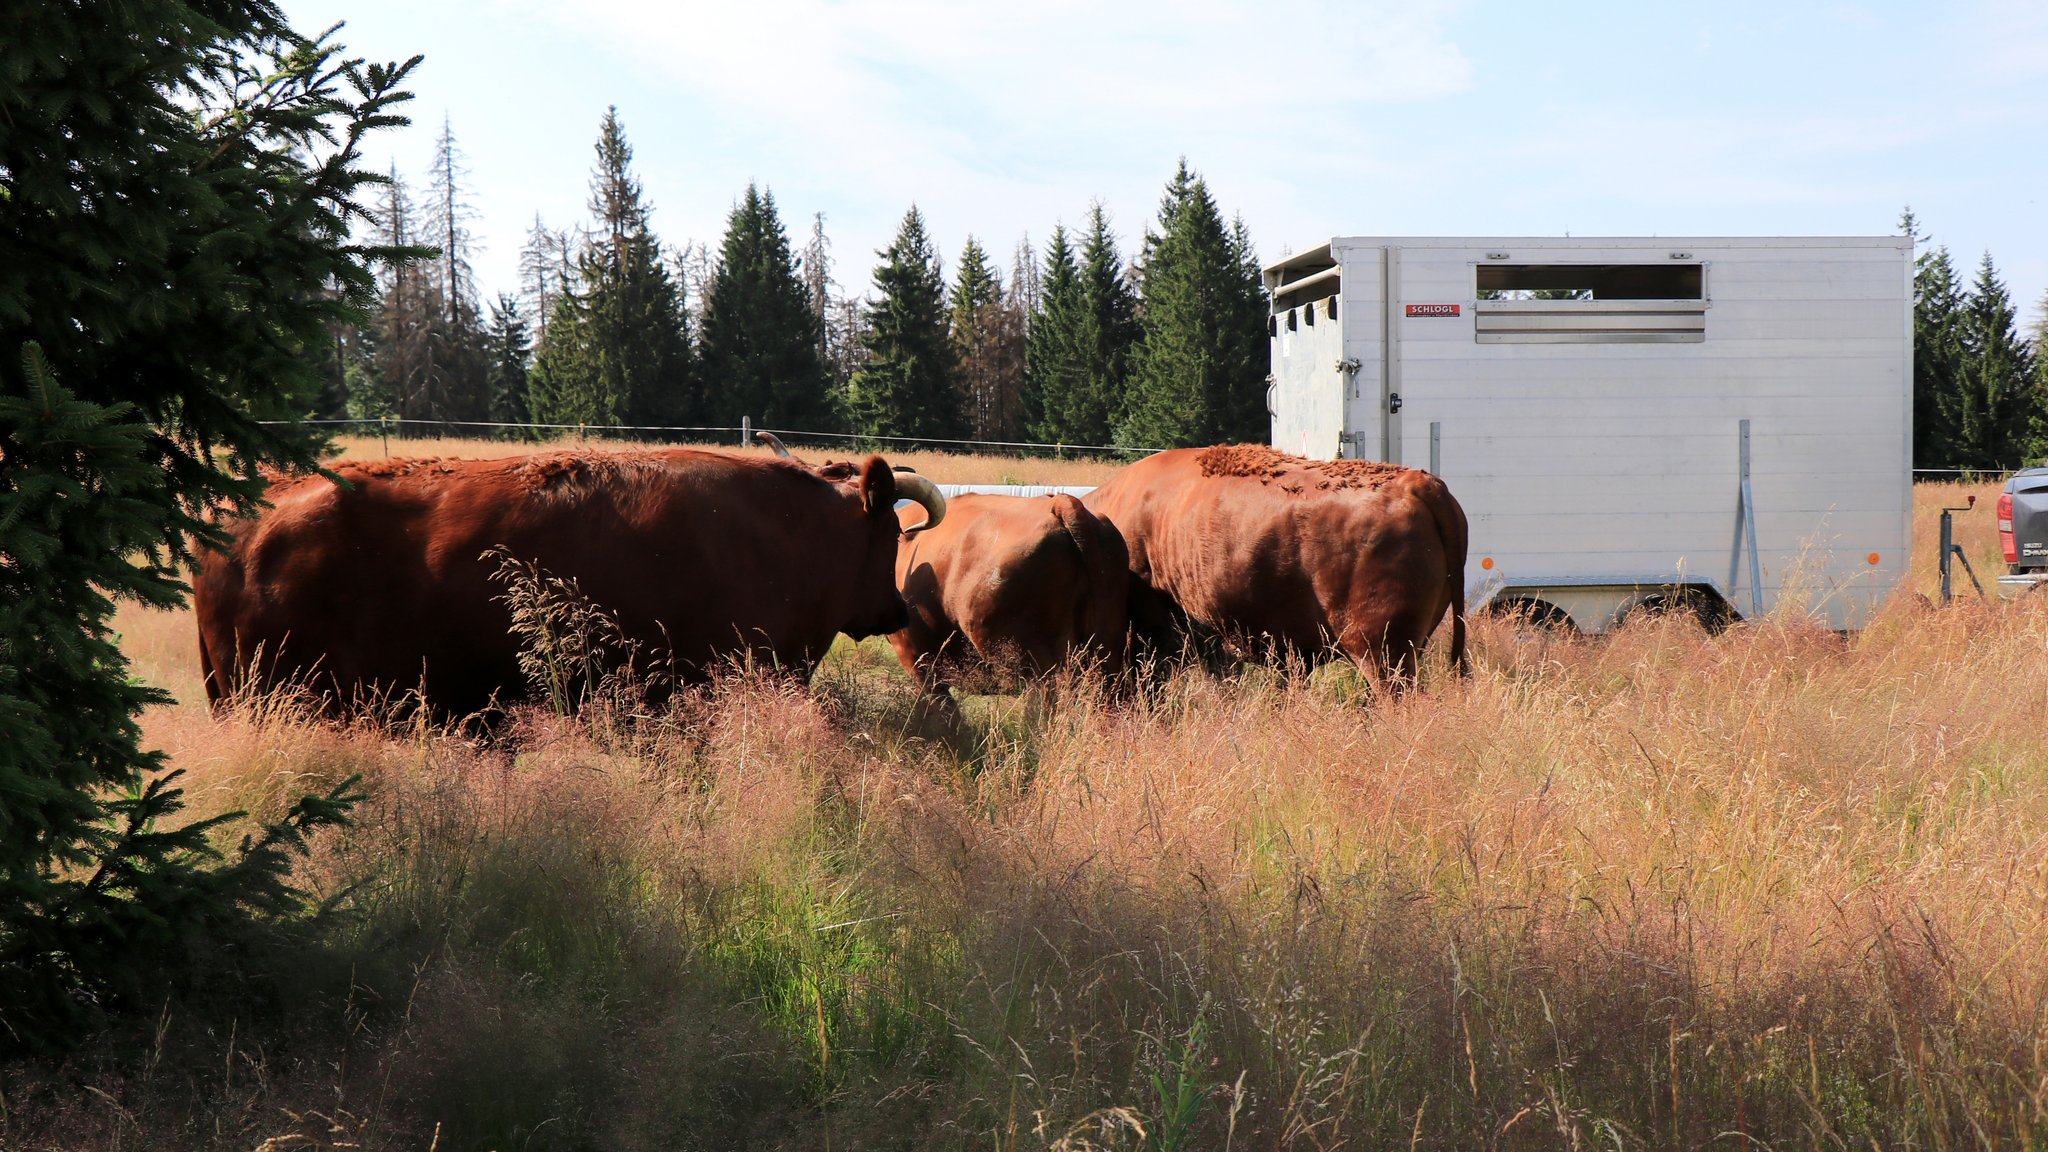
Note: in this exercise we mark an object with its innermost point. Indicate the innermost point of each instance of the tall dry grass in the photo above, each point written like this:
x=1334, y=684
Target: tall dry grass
x=1975, y=529
x=1774, y=888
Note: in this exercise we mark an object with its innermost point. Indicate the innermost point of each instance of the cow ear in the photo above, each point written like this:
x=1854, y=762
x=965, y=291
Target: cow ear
x=878, y=488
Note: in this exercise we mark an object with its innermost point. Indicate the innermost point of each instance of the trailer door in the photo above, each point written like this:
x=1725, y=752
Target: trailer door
x=1307, y=391
x=1369, y=377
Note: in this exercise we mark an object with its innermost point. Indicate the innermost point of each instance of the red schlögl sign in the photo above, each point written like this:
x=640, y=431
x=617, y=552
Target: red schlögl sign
x=1433, y=309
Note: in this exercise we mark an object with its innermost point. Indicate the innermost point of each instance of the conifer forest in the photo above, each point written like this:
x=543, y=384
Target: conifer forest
x=610, y=325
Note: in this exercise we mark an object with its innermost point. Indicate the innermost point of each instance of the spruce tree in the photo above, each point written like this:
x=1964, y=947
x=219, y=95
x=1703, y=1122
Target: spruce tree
x=760, y=339
x=1937, y=351
x=618, y=347
x=176, y=202
x=2037, y=388
x=1243, y=401
x=1994, y=380
x=1054, y=349
x=905, y=385
x=1198, y=373
x=508, y=350
x=1108, y=333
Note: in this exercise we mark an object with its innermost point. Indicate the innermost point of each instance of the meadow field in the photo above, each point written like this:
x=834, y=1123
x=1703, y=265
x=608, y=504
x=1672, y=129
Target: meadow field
x=1774, y=888
x=944, y=467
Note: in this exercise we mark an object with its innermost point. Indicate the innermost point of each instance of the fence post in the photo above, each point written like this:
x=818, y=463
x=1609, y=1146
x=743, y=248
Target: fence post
x=746, y=431
x=384, y=430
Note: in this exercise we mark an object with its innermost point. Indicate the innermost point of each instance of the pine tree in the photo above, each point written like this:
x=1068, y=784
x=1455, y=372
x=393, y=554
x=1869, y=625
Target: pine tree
x=1054, y=356
x=399, y=381
x=1024, y=276
x=846, y=330
x=458, y=385
x=1008, y=420
x=695, y=272
x=618, y=346
x=546, y=268
x=982, y=341
x=905, y=387
x=816, y=262
x=841, y=321
x=760, y=337
x=170, y=251
x=1994, y=378
x=509, y=351
x=1198, y=373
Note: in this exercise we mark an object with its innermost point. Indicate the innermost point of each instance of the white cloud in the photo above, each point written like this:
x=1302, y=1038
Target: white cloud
x=924, y=93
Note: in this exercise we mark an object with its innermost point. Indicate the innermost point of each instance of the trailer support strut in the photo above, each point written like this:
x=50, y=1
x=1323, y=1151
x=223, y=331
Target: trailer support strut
x=1745, y=533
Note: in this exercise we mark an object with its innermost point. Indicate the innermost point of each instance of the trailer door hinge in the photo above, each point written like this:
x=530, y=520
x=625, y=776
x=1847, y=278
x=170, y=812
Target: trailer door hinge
x=1393, y=403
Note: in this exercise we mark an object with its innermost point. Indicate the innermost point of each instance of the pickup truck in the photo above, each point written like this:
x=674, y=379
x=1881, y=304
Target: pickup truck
x=2023, y=532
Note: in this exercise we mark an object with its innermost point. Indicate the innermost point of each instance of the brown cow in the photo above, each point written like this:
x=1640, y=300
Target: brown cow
x=380, y=586
x=1285, y=556
x=1011, y=585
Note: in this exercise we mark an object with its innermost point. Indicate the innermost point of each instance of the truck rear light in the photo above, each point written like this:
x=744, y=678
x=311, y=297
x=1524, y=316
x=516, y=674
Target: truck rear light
x=2005, y=540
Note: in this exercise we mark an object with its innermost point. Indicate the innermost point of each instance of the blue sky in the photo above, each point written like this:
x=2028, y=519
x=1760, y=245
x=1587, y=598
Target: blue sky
x=1310, y=119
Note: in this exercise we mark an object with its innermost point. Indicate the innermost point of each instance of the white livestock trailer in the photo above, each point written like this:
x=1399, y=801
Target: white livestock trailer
x=1721, y=423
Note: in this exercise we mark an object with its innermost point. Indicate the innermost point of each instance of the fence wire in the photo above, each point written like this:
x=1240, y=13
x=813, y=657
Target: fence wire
x=395, y=423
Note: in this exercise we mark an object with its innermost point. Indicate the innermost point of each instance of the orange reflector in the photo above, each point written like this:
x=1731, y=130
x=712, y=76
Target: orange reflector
x=1873, y=557
x=1486, y=563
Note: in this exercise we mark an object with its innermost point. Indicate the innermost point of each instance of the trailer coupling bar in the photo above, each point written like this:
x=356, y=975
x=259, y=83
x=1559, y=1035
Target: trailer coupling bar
x=1949, y=548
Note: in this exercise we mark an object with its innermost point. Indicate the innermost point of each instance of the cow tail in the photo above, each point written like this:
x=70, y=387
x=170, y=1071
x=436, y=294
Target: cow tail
x=206, y=676
x=1458, y=623
x=202, y=611
x=1102, y=620
x=1453, y=530
x=1073, y=520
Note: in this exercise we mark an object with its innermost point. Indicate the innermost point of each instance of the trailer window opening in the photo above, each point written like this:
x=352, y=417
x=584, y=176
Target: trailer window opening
x=1590, y=282
x=1589, y=303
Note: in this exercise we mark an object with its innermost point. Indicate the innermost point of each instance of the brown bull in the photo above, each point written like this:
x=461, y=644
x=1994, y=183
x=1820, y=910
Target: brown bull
x=380, y=586
x=1011, y=585
x=1285, y=556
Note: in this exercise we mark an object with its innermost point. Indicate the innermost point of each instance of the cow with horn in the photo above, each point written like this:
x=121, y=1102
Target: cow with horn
x=1010, y=586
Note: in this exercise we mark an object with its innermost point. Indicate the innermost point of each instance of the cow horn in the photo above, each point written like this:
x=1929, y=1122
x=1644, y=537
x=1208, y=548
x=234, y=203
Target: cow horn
x=911, y=486
x=775, y=442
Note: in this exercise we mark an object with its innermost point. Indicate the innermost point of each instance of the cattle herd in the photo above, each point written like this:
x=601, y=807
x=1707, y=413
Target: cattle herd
x=374, y=581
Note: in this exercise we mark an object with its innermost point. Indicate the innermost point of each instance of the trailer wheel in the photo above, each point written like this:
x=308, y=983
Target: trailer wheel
x=1708, y=610
x=1533, y=620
